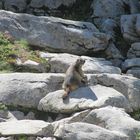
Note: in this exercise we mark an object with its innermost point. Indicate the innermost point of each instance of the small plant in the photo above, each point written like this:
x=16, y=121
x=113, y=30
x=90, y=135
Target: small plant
x=3, y=106
x=136, y=115
x=23, y=138
x=137, y=135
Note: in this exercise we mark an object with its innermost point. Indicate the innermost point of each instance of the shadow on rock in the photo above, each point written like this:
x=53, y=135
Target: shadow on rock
x=81, y=93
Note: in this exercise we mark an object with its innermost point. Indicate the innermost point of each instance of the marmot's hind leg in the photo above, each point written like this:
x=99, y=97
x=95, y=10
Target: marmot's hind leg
x=66, y=93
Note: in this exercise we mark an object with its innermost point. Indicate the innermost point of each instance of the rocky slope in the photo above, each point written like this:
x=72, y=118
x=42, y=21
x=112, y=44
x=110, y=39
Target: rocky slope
x=106, y=33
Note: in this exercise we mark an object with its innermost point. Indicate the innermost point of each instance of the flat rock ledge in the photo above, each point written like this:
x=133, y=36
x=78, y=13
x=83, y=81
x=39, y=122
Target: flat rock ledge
x=83, y=98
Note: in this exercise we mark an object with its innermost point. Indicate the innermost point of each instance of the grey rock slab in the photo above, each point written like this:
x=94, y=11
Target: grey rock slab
x=114, y=119
x=135, y=72
x=26, y=89
x=92, y=65
x=130, y=27
x=54, y=34
x=127, y=85
x=134, y=51
x=26, y=127
x=130, y=63
x=85, y=131
x=31, y=66
x=83, y=98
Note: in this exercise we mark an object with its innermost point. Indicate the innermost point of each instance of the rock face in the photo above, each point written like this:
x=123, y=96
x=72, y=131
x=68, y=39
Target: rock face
x=92, y=65
x=54, y=34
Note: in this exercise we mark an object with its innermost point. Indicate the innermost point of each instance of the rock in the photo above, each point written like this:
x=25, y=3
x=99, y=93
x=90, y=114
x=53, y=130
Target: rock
x=54, y=34
x=83, y=98
x=6, y=138
x=51, y=4
x=85, y=131
x=112, y=52
x=37, y=3
x=115, y=120
x=20, y=115
x=132, y=5
x=26, y=89
x=130, y=63
x=45, y=138
x=15, y=5
x=32, y=66
x=109, y=26
x=92, y=65
x=130, y=27
x=6, y=115
x=135, y=72
x=134, y=51
x=26, y=127
x=126, y=85
x=107, y=8
x=1, y=4
x=30, y=116
x=104, y=9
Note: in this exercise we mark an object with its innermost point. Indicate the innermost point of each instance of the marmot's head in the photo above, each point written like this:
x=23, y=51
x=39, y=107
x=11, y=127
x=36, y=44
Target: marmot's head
x=80, y=62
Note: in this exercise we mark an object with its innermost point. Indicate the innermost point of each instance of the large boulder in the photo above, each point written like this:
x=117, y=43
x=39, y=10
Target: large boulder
x=114, y=119
x=92, y=65
x=127, y=85
x=54, y=34
x=26, y=89
x=83, y=98
x=130, y=27
x=130, y=63
x=85, y=131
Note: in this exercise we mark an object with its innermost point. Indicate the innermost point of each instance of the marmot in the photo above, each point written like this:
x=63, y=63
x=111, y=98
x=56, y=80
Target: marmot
x=74, y=78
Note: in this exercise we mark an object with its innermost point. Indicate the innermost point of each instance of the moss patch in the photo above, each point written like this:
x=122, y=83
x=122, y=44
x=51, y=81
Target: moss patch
x=136, y=115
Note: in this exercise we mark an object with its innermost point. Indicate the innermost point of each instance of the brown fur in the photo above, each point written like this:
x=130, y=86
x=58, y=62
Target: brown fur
x=75, y=77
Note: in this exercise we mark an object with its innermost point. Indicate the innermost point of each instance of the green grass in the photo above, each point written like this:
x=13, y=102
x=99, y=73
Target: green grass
x=11, y=49
x=137, y=135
